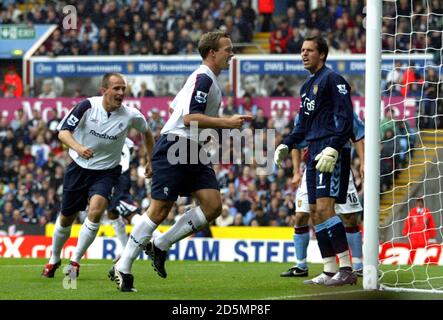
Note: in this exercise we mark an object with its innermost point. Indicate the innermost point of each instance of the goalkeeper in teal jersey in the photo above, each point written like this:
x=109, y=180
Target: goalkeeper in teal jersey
x=348, y=211
x=326, y=123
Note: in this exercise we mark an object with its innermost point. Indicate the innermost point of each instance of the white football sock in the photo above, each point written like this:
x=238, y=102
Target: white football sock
x=140, y=236
x=120, y=231
x=59, y=237
x=344, y=259
x=329, y=265
x=135, y=219
x=88, y=231
x=189, y=223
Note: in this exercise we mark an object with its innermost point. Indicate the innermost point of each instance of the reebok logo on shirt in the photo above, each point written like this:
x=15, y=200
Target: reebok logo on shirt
x=102, y=135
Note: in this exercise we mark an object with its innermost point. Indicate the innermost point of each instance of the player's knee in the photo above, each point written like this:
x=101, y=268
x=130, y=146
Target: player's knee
x=212, y=210
x=95, y=214
x=349, y=220
x=301, y=218
x=112, y=215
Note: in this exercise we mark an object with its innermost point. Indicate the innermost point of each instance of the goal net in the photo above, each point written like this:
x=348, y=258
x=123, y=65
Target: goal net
x=411, y=154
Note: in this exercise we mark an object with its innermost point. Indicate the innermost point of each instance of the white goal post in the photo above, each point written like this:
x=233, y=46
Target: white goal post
x=372, y=142
x=402, y=247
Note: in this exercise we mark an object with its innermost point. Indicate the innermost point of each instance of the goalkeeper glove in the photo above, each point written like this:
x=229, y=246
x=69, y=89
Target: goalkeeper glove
x=326, y=160
x=280, y=153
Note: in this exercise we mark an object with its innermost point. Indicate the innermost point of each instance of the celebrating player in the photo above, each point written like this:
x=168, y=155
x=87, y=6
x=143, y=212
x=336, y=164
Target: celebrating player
x=197, y=102
x=95, y=132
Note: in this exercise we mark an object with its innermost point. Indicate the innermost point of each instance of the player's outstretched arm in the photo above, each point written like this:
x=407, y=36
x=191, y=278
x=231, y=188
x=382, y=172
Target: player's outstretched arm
x=66, y=137
x=204, y=121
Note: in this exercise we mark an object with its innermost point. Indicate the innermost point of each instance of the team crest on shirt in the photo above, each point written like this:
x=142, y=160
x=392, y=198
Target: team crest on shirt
x=120, y=126
x=201, y=96
x=315, y=89
x=342, y=89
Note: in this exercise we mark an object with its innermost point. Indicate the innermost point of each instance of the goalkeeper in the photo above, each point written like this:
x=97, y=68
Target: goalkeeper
x=326, y=122
x=348, y=212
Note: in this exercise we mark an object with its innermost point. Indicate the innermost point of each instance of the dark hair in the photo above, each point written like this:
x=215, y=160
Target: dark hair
x=107, y=76
x=210, y=41
x=322, y=45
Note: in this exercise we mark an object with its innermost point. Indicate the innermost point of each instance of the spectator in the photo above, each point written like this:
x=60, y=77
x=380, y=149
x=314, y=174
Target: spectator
x=280, y=37
x=247, y=107
x=12, y=84
x=280, y=120
x=230, y=109
x=260, y=120
x=295, y=42
x=155, y=121
x=243, y=204
x=265, y=9
x=47, y=90
x=225, y=219
x=419, y=226
x=238, y=220
x=144, y=91
x=281, y=90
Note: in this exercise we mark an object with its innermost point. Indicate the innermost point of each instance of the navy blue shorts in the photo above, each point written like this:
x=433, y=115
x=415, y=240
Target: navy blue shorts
x=321, y=184
x=122, y=201
x=172, y=180
x=80, y=184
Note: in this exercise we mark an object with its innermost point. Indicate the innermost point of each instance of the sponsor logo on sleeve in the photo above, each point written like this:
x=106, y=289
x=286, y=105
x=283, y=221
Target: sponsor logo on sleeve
x=72, y=120
x=342, y=89
x=201, y=96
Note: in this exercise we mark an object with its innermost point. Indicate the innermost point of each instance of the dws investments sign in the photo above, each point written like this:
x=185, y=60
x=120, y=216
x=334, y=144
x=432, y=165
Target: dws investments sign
x=89, y=68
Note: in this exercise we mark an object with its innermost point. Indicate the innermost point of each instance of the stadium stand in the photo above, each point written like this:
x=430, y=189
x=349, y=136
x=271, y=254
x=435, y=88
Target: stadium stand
x=32, y=159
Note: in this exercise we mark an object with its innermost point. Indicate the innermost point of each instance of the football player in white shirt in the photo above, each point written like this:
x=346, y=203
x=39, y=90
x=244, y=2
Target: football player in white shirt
x=198, y=101
x=95, y=131
x=122, y=208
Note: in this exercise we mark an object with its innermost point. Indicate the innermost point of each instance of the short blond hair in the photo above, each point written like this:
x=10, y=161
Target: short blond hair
x=107, y=76
x=210, y=41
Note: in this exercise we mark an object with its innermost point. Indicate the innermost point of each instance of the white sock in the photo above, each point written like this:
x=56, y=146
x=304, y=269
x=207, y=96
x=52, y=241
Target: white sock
x=135, y=219
x=59, y=237
x=140, y=236
x=189, y=223
x=120, y=231
x=344, y=260
x=329, y=265
x=88, y=231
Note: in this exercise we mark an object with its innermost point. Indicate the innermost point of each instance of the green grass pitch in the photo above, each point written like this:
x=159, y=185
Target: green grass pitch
x=190, y=280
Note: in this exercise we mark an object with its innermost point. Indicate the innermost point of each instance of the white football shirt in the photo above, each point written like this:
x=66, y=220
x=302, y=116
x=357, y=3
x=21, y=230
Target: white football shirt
x=200, y=94
x=126, y=154
x=103, y=132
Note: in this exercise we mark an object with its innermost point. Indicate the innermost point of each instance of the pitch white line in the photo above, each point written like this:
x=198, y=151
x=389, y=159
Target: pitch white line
x=312, y=295
x=39, y=266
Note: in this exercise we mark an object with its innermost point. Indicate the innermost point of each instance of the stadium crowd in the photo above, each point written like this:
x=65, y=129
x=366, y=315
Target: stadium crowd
x=164, y=27
x=32, y=164
x=32, y=160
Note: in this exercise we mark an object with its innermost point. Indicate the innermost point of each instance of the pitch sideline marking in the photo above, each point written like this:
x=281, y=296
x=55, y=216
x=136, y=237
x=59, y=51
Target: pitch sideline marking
x=313, y=295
